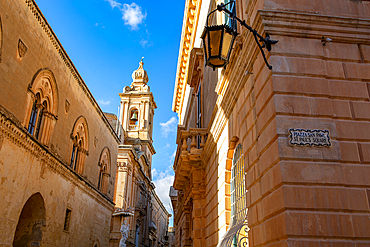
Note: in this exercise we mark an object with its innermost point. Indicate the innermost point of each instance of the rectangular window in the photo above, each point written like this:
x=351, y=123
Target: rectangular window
x=199, y=112
x=67, y=219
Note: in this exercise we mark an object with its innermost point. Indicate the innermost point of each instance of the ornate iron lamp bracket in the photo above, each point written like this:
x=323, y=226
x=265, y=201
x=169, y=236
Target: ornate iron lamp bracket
x=266, y=42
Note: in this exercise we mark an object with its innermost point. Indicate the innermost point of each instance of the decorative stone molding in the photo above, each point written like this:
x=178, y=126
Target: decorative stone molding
x=187, y=40
x=43, y=92
x=12, y=130
x=140, y=75
x=67, y=106
x=313, y=25
x=22, y=49
x=1, y=140
x=67, y=61
x=80, y=139
x=190, y=147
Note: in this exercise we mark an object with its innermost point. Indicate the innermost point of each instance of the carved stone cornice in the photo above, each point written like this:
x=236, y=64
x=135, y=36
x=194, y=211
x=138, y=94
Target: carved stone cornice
x=314, y=25
x=68, y=62
x=12, y=130
x=191, y=15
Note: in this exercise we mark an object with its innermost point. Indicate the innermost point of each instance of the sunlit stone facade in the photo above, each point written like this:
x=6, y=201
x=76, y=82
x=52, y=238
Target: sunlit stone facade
x=296, y=194
x=137, y=204
x=57, y=149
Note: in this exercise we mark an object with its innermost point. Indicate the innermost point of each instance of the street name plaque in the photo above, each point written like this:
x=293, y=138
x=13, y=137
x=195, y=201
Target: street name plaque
x=301, y=137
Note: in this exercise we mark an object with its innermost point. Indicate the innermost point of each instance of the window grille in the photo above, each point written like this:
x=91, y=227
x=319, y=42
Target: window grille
x=237, y=234
x=237, y=185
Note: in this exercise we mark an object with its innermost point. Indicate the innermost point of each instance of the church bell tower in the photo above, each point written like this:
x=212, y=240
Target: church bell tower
x=137, y=109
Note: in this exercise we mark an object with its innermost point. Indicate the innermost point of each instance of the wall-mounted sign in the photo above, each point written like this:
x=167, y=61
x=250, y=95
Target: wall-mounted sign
x=301, y=137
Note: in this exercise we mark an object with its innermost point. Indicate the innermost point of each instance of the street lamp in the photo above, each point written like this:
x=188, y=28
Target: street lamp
x=218, y=40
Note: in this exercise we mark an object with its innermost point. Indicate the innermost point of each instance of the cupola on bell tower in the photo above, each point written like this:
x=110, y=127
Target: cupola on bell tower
x=137, y=106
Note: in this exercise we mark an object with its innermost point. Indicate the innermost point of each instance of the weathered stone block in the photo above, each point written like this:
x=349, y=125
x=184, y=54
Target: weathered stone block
x=353, y=130
x=348, y=89
x=349, y=151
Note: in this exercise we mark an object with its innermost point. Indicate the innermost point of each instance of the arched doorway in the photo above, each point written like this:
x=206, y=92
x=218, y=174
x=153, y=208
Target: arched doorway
x=31, y=223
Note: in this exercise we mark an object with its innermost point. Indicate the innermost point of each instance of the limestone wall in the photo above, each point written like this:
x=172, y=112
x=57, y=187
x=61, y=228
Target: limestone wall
x=297, y=195
x=30, y=164
x=74, y=99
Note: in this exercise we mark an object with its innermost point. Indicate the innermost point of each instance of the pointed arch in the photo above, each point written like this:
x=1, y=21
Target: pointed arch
x=31, y=223
x=80, y=145
x=42, y=105
x=104, y=170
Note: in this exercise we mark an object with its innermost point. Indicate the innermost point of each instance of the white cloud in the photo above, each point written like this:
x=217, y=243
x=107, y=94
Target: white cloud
x=143, y=42
x=162, y=187
x=169, y=126
x=114, y=3
x=104, y=102
x=132, y=15
x=173, y=156
x=146, y=42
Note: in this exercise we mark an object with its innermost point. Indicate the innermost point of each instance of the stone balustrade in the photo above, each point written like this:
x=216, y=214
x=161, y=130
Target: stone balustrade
x=192, y=141
x=190, y=147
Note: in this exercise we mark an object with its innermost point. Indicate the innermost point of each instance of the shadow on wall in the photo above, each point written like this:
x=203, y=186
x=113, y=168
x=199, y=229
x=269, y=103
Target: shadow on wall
x=31, y=223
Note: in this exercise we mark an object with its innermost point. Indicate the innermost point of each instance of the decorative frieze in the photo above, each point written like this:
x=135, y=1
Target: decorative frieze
x=13, y=131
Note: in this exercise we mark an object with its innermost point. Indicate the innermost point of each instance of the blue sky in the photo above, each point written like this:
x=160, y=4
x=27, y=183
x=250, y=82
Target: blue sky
x=106, y=39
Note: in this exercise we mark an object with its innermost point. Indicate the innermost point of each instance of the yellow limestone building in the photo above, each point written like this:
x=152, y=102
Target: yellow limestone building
x=248, y=169
x=138, y=209
x=57, y=149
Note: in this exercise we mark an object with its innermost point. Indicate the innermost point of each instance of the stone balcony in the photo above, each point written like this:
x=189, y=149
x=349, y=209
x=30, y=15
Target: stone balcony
x=190, y=144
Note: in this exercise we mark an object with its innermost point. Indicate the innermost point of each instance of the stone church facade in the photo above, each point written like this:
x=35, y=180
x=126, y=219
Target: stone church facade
x=245, y=171
x=57, y=149
x=137, y=205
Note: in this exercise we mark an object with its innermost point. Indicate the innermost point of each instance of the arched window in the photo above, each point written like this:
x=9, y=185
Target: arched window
x=237, y=187
x=42, y=105
x=80, y=145
x=104, y=170
x=237, y=233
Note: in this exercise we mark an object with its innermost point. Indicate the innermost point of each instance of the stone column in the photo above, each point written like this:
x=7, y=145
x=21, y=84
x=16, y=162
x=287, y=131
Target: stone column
x=104, y=187
x=186, y=240
x=198, y=192
x=125, y=116
x=146, y=105
x=121, y=185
